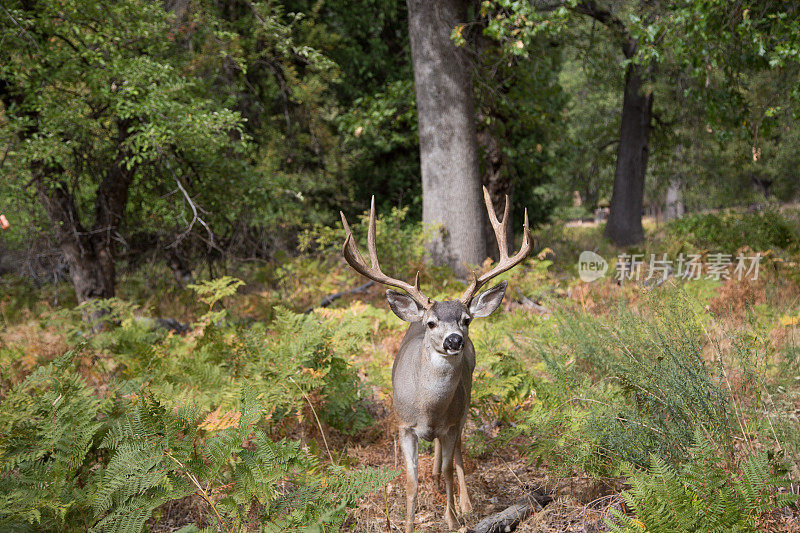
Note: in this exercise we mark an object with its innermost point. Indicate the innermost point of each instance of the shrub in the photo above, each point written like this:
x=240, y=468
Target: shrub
x=48, y=426
x=295, y=360
x=639, y=397
x=75, y=459
x=159, y=454
x=618, y=392
x=727, y=233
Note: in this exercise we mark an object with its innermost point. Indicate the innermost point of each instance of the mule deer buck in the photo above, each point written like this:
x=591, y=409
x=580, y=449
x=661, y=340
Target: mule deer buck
x=432, y=372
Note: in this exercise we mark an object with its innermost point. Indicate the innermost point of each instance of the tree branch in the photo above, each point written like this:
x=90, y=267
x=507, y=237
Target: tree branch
x=602, y=15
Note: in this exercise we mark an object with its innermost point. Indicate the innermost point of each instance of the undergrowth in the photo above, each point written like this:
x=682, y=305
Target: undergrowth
x=655, y=398
x=688, y=404
x=184, y=415
x=704, y=493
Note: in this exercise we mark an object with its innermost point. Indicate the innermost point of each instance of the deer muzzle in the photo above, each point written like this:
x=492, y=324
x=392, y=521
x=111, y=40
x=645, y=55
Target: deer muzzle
x=453, y=342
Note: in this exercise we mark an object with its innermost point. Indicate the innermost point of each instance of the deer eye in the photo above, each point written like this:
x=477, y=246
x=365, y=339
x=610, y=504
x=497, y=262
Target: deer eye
x=465, y=321
x=431, y=324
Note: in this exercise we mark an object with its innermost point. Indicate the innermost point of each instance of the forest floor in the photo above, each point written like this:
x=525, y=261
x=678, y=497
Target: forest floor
x=495, y=481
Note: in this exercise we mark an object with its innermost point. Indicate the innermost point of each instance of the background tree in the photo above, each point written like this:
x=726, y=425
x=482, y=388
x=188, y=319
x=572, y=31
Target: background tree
x=658, y=40
x=246, y=122
x=96, y=102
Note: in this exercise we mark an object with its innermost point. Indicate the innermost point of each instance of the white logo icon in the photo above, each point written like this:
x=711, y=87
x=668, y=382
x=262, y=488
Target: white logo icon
x=591, y=266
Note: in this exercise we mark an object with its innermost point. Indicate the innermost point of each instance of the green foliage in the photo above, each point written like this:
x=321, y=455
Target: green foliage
x=645, y=388
x=71, y=460
x=159, y=455
x=212, y=291
x=760, y=231
x=304, y=357
x=401, y=244
x=132, y=106
x=501, y=379
x=704, y=494
x=48, y=427
x=296, y=357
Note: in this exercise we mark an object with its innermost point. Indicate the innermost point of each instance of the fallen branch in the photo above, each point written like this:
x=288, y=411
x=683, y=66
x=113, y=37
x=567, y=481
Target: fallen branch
x=508, y=519
x=527, y=303
x=328, y=300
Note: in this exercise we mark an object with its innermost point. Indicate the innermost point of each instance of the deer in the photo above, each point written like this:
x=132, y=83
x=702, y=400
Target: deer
x=432, y=370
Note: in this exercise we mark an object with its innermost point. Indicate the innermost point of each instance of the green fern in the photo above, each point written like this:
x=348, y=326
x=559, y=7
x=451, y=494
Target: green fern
x=161, y=454
x=73, y=462
x=47, y=427
x=705, y=494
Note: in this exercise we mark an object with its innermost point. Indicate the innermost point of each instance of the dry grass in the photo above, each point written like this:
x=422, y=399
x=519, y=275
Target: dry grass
x=32, y=345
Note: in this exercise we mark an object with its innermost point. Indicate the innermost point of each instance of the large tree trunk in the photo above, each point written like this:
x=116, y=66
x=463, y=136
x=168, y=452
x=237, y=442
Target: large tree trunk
x=84, y=254
x=89, y=254
x=625, y=220
x=451, y=182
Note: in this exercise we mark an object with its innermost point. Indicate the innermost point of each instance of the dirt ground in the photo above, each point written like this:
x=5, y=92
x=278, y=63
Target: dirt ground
x=494, y=482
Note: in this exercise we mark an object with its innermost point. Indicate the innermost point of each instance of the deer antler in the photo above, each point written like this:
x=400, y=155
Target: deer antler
x=505, y=262
x=374, y=272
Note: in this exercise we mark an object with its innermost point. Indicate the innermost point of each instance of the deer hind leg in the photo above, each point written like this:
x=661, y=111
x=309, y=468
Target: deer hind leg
x=448, y=442
x=437, y=462
x=410, y=445
x=463, y=497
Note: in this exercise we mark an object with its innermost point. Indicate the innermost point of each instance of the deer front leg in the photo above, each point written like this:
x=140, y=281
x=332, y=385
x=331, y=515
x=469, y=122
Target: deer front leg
x=437, y=462
x=463, y=497
x=448, y=442
x=410, y=446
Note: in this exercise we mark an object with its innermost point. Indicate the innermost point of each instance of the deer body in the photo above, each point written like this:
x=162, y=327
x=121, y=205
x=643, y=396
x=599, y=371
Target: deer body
x=432, y=371
x=430, y=392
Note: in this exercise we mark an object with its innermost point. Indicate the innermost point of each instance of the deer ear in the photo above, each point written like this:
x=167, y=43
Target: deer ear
x=486, y=302
x=404, y=306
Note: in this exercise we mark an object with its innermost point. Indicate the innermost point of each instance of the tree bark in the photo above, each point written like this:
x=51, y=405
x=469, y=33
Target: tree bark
x=625, y=219
x=674, y=200
x=89, y=274
x=451, y=181
x=89, y=254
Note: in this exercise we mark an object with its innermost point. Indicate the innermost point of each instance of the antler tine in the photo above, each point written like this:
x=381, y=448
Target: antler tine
x=500, y=228
x=416, y=288
x=505, y=263
x=374, y=272
x=350, y=246
x=373, y=251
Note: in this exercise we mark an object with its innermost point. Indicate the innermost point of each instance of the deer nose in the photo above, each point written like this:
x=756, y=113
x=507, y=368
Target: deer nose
x=454, y=341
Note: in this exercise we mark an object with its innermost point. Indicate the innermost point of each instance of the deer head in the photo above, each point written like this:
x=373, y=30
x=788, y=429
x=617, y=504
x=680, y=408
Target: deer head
x=447, y=322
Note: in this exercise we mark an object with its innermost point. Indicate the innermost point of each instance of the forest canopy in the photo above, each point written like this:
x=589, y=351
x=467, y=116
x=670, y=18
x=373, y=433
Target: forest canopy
x=142, y=130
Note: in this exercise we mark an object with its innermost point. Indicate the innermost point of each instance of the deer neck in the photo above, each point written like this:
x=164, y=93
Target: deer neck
x=440, y=374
